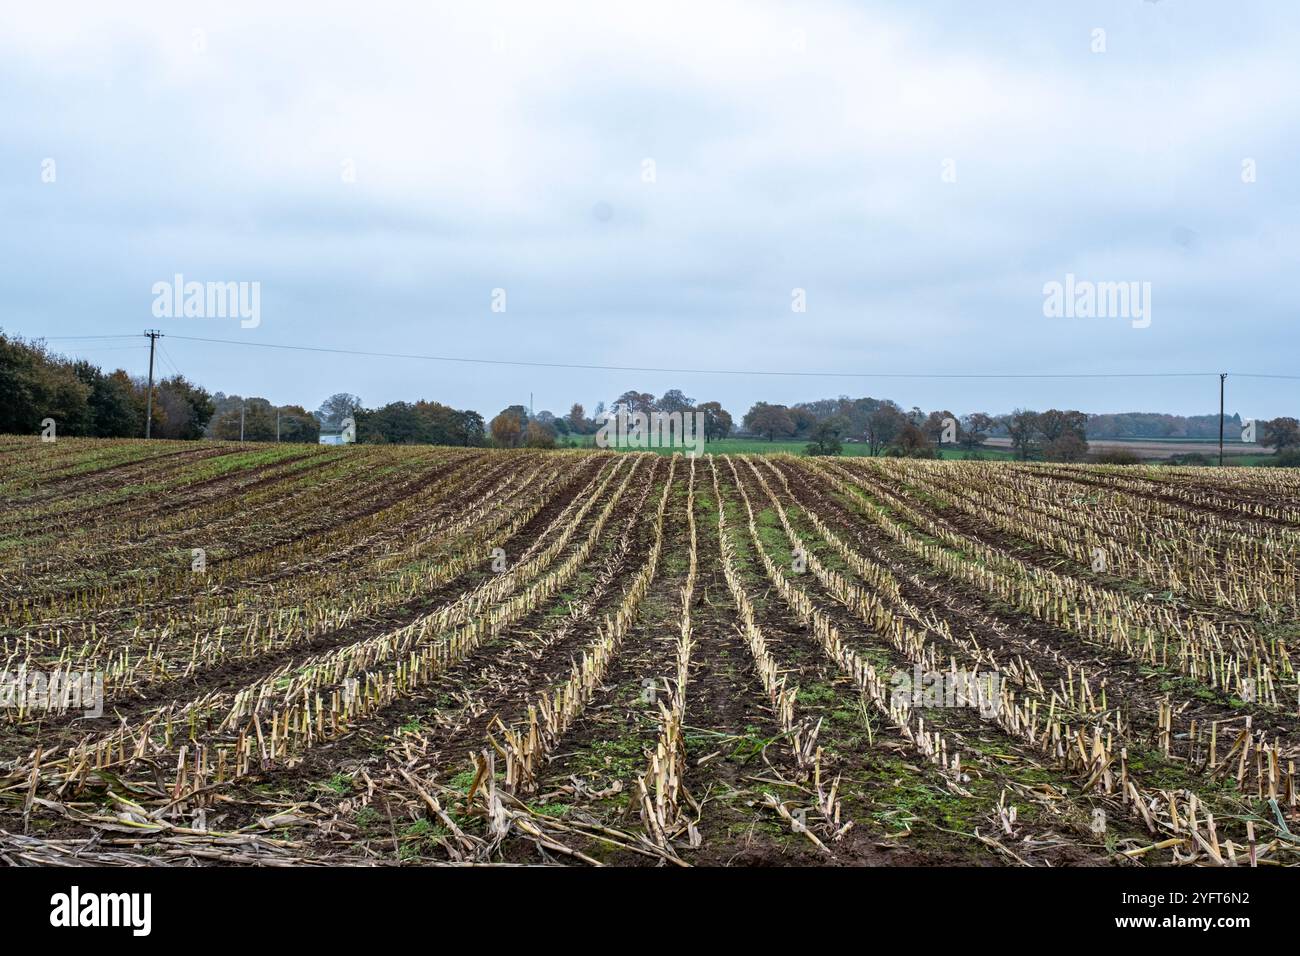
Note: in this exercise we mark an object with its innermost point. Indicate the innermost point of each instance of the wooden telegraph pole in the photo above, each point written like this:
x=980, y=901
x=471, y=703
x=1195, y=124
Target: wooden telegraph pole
x=154, y=336
x=1222, y=376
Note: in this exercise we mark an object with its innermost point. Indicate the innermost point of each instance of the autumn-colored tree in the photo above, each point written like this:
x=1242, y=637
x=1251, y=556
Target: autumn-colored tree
x=508, y=427
x=1067, y=446
x=936, y=423
x=1281, y=433
x=912, y=442
x=506, y=431
x=1054, y=423
x=803, y=420
x=769, y=420
x=634, y=401
x=539, y=435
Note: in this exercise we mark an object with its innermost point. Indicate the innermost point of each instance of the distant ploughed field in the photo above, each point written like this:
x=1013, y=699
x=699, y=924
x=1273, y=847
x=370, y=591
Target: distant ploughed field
x=381, y=654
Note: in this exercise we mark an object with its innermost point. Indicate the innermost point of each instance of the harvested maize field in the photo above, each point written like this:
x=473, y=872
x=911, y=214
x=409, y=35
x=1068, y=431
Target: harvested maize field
x=220, y=653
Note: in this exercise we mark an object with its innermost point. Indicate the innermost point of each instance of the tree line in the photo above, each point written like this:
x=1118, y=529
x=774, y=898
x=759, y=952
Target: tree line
x=37, y=384
x=884, y=426
x=83, y=400
x=515, y=427
x=397, y=423
x=887, y=429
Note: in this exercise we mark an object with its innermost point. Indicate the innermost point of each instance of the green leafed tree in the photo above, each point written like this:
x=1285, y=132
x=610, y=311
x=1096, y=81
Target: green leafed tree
x=337, y=407
x=717, y=421
x=826, y=437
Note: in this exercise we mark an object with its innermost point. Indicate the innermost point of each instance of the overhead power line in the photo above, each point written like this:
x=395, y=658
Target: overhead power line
x=65, y=338
x=689, y=371
x=113, y=348
x=167, y=357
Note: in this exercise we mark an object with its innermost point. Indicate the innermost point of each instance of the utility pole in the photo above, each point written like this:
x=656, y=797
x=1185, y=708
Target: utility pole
x=277, y=426
x=241, y=421
x=154, y=336
x=1222, y=376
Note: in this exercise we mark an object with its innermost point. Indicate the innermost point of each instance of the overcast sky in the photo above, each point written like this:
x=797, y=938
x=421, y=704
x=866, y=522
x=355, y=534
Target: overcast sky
x=919, y=170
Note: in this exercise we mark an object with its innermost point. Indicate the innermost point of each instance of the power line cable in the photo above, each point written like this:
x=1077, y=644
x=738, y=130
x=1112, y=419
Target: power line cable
x=694, y=371
x=687, y=371
x=167, y=357
x=113, y=348
x=63, y=338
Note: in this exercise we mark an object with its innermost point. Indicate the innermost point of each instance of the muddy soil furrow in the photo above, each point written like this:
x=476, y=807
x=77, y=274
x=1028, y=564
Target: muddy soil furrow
x=412, y=655
x=1241, y=510
x=1054, y=654
x=238, y=564
x=432, y=731
x=209, y=516
x=990, y=757
x=1144, y=765
x=240, y=673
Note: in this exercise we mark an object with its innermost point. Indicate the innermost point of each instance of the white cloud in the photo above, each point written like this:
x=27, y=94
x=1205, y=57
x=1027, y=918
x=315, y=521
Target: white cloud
x=795, y=145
